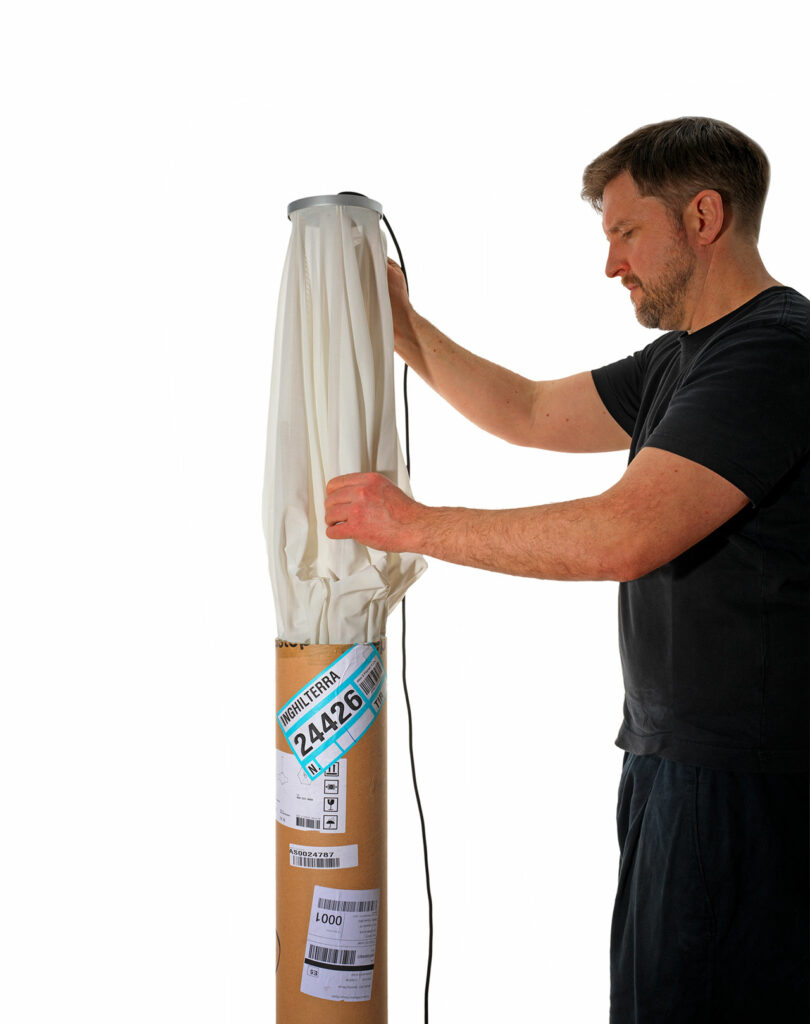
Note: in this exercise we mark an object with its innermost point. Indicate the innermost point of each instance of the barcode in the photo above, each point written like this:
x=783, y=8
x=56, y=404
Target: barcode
x=325, y=955
x=314, y=862
x=369, y=679
x=350, y=906
x=308, y=822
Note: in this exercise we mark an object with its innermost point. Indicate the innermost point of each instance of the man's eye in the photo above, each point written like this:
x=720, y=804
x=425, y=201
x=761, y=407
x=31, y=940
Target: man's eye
x=628, y=233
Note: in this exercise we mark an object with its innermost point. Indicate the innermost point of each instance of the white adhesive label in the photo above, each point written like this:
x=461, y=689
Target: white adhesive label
x=314, y=805
x=322, y=856
x=341, y=943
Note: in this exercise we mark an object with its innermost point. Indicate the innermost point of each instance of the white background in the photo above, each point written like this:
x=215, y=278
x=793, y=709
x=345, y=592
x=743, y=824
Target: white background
x=149, y=153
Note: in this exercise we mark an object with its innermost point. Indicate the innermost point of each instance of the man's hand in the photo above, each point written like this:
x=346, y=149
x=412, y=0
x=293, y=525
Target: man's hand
x=401, y=309
x=368, y=508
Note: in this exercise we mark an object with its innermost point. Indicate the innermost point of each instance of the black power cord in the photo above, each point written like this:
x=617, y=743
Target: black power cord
x=404, y=675
x=405, y=681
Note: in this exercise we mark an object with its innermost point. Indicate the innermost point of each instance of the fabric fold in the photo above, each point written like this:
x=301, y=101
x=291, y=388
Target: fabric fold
x=332, y=412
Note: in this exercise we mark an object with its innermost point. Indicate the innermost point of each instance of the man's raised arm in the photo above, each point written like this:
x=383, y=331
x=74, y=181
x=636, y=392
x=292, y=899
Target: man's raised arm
x=564, y=415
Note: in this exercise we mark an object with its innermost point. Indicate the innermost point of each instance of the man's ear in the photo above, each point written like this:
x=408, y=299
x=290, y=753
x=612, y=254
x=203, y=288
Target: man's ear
x=705, y=216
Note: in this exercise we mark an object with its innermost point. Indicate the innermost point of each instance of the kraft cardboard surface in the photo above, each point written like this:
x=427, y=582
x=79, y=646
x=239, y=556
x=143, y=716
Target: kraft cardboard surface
x=365, y=794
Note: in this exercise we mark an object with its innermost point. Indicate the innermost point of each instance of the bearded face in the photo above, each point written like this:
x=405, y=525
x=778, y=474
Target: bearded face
x=659, y=300
x=650, y=251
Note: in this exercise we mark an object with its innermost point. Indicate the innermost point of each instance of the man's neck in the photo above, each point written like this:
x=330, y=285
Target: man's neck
x=725, y=285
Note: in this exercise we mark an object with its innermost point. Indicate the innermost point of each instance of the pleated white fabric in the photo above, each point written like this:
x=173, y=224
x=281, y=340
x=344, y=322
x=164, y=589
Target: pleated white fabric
x=331, y=412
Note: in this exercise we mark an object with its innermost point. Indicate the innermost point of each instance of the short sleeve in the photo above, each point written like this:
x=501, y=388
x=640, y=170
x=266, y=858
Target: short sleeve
x=620, y=386
x=743, y=408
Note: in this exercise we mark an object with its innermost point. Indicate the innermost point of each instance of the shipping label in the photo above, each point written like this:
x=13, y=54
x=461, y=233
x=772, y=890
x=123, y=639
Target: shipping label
x=341, y=943
x=332, y=712
x=332, y=857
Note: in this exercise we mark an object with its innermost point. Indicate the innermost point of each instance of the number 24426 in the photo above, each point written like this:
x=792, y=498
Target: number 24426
x=331, y=721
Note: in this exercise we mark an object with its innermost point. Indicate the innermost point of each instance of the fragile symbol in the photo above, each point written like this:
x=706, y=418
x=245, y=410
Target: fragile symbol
x=330, y=803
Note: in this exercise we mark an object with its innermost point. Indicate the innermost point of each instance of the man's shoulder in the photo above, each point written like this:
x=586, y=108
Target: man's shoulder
x=779, y=308
x=764, y=346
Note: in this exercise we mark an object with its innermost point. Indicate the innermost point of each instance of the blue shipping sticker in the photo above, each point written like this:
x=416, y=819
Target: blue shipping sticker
x=331, y=713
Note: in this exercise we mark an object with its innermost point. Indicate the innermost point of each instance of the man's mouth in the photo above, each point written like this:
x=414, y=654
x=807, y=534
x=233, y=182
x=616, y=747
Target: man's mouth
x=633, y=287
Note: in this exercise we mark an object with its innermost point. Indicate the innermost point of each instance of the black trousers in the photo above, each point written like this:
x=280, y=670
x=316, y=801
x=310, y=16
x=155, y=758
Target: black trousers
x=711, y=923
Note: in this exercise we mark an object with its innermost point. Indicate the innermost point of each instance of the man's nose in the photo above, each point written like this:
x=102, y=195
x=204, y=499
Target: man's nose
x=616, y=263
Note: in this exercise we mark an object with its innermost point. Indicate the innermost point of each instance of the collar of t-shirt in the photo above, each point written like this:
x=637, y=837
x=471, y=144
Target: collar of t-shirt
x=691, y=343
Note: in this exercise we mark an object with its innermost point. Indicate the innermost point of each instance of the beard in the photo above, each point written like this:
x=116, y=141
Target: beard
x=662, y=302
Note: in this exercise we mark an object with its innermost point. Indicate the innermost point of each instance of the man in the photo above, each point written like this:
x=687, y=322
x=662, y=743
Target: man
x=708, y=532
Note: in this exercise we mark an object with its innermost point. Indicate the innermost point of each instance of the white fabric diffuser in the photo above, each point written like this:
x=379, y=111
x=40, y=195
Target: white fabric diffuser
x=331, y=412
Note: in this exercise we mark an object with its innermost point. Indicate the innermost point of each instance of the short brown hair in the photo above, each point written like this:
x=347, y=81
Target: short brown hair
x=674, y=160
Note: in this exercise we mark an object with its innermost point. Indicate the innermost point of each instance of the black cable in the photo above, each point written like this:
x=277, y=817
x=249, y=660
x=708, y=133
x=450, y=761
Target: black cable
x=421, y=819
x=405, y=375
x=404, y=675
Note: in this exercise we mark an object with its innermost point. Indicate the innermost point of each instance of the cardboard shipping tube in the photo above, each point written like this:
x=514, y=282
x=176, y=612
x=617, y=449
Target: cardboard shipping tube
x=359, y=783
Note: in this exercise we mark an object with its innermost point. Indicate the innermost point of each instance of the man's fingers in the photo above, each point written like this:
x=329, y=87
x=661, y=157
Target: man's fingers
x=340, y=531
x=334, y=517
x=337, y=506
x=338, y=481
x=395, y=271
x=344, y=481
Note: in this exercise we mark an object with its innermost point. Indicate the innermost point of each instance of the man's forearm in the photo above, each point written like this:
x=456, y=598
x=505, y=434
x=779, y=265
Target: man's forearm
x=661, y=506
x=571, y=540
x=496, y=399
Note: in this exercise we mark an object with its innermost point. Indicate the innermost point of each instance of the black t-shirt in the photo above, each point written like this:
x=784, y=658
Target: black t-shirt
x=715, y=644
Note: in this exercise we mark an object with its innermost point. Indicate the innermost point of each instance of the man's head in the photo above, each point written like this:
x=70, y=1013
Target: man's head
x=674, y=160
x=667, y=193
